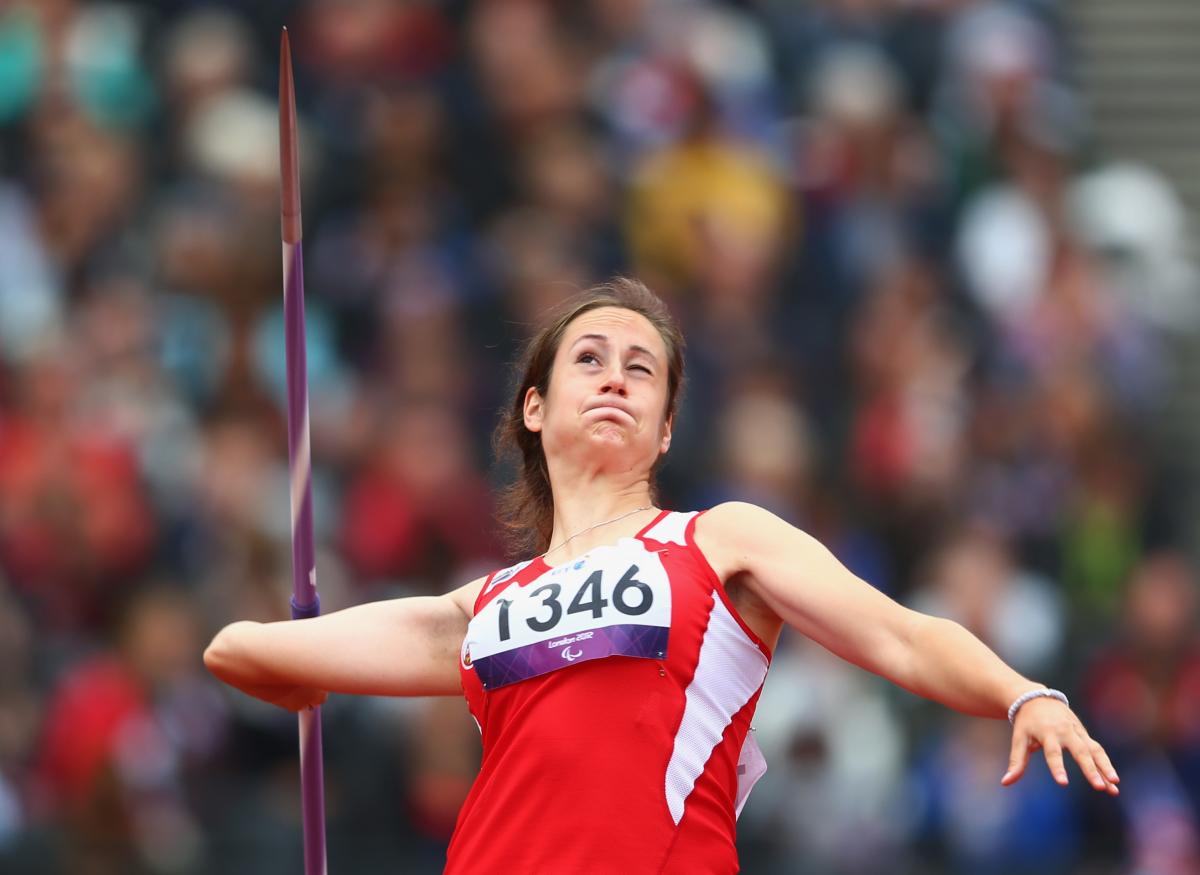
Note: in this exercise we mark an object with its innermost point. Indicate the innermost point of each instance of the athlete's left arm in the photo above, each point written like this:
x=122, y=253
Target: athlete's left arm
x=810, y=590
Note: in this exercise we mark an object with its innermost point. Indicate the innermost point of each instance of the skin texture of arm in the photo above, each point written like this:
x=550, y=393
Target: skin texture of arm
x=400, y=647
x=788, y=576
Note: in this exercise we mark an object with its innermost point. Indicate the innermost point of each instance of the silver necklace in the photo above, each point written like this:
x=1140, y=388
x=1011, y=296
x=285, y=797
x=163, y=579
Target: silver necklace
x=596, y=526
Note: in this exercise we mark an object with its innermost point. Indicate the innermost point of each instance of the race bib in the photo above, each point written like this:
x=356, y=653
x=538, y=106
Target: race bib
x=614, y=601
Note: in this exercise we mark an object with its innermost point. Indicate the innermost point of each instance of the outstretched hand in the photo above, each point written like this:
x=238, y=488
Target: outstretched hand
x=1053, y=727
x=292, y=698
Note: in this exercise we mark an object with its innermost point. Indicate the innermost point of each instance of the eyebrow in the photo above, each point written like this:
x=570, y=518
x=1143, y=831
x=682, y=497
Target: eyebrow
x=604, y=339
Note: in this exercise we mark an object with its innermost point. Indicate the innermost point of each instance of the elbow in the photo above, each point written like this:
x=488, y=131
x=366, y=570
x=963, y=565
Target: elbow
x=224, y=655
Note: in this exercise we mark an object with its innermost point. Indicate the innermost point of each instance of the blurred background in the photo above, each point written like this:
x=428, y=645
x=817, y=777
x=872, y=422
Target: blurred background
x=935, y=262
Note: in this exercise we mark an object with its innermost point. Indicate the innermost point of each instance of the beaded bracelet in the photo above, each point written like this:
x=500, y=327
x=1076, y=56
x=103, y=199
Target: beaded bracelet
x=1035, y=694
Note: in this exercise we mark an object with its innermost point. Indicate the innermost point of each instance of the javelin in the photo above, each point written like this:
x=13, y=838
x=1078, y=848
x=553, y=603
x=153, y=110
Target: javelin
x=305, y=602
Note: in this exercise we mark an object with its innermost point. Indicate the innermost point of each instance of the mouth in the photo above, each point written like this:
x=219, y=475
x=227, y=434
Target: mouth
x=610, y=411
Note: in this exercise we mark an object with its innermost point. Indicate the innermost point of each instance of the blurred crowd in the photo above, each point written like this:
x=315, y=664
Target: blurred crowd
x=928, y=321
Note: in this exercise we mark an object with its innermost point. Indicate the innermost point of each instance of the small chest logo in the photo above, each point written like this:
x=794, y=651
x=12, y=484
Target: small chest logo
x=506, y=574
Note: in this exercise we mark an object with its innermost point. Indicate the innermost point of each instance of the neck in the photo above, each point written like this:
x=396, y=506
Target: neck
x=585, y=501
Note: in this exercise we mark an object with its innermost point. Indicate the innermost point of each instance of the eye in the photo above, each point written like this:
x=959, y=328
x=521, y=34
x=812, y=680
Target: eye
x=586, y=357
x=641, y=368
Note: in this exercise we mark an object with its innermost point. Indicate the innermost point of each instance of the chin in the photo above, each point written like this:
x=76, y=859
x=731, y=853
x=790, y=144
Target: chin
x=610, y=436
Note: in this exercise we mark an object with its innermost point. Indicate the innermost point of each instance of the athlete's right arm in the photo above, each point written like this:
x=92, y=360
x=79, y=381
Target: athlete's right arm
x=400, y=647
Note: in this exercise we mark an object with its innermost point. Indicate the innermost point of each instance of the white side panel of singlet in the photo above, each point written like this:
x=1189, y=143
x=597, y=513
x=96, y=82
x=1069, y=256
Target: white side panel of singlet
x=729, y=671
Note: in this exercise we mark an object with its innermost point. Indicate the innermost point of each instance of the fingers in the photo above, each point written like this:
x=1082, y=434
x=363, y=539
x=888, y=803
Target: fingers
x=1102, y=760
x=287, y=697
x=1054, y=760
x=1017, y=759
x=1055, y=733
x=1081, y=751
x=307, y=699
x=1088, y=753
x=1095, y=764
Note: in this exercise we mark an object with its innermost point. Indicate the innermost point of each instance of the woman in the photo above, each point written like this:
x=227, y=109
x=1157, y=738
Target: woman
x=614, y=674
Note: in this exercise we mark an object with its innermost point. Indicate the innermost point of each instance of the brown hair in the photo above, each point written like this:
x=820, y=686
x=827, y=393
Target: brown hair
x=525, y=508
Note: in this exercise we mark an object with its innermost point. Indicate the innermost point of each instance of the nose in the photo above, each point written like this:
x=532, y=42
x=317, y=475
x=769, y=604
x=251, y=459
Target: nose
x=614, y=380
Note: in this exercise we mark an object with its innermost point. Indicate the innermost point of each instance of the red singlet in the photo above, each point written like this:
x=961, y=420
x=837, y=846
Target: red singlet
x=614, y=694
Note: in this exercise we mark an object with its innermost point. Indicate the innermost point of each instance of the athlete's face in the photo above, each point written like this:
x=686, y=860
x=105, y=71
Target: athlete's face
x=608, y=390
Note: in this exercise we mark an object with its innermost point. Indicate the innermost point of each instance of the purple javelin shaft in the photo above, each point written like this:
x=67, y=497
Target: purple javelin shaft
x=305, y=602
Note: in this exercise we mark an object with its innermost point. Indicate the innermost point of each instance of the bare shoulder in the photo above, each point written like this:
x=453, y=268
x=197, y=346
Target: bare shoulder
x=728, y=532
x=740, y=536
x=465, y=596
x=731, y=517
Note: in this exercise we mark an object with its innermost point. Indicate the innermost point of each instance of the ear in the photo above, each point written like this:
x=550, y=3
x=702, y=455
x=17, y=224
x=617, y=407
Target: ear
x=534, y=409
x=665, y=444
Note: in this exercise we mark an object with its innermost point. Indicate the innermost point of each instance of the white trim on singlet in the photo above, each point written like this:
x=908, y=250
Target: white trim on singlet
x=729, y=670
x=671, y=529
x=505, y=574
